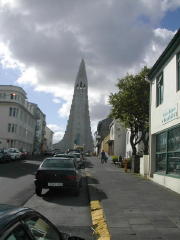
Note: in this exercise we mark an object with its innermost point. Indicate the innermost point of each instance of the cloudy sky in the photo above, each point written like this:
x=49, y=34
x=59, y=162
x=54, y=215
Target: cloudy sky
x=43, y=41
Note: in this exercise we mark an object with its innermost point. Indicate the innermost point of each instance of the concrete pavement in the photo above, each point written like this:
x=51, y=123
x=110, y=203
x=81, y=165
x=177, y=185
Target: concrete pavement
x=133, y=207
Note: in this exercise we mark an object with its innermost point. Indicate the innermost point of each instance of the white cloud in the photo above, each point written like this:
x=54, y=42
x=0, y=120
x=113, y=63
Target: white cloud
x=46, y=41
x=56, y=100
x=28, y=76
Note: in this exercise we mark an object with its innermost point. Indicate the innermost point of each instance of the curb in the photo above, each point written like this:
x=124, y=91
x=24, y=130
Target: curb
x=99, y=223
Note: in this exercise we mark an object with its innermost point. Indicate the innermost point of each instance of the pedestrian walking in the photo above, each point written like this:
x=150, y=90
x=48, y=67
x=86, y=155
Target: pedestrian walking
x=103, y=157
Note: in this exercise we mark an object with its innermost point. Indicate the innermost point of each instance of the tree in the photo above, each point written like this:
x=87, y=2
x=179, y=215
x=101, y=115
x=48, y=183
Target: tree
x=131, y=105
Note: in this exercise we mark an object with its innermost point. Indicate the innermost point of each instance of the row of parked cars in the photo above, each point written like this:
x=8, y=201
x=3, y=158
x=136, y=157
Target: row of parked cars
x=11, y=154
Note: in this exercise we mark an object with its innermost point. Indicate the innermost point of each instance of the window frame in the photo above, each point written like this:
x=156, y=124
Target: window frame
x=167, y=152
x=8, y=231
x=178, y=70
x=159, y=89
x=36, y=214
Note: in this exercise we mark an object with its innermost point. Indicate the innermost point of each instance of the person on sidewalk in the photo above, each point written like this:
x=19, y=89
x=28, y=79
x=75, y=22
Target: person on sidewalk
x=103, y=157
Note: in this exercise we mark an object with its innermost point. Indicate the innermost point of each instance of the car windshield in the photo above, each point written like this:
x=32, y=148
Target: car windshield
x=77, y=155
x=58, y=163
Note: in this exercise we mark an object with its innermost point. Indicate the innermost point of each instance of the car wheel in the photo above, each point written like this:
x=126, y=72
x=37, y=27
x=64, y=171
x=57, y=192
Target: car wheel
x=38, y=191
x=77, y=191
x=80, y=183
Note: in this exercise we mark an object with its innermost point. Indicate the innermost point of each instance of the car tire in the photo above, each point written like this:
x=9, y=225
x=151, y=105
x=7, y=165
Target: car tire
x=38, y=191
x=77, y=191
x=80, y=183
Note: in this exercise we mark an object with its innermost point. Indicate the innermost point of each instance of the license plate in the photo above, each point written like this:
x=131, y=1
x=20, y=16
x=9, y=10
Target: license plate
x=55, y=184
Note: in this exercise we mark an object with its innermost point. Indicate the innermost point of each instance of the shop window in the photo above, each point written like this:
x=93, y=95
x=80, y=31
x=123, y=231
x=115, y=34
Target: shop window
x=178, y=71
x=161, y=142
x=161, y=162
x=159, y=89
x=174, y=163
x=174, y=140
x=161, y=146
x=168, y=151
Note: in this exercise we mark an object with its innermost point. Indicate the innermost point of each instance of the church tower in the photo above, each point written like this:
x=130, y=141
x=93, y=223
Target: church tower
x=78, y=130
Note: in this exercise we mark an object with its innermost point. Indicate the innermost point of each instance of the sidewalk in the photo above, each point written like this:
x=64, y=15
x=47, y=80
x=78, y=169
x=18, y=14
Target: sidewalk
x=134, y=208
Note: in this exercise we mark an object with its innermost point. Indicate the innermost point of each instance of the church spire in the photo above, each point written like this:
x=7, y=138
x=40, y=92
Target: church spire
x=81, y=79
x=78, y=129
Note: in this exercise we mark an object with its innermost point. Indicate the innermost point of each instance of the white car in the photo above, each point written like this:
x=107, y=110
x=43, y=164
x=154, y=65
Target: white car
x=14, y=153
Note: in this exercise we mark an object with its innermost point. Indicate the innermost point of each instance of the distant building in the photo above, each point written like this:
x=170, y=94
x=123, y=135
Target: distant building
x=39, y=138
x=17, y=128
x=117, y=140
x=48, y=139
x=78, y=130
x=139, y=146
x=22, y=122
x=103, y=130
x=164, y=80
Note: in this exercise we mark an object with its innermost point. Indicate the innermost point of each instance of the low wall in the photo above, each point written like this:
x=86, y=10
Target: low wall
x=170, y=182
x=144, y=165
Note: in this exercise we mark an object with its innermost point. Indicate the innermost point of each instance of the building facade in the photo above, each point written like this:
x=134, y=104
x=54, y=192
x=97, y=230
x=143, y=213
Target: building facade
x=40, y=125
x=48, y=139
x=117, y=141
x=139, y=146
x=16, y=118
x=103, y=130
x=164, y=79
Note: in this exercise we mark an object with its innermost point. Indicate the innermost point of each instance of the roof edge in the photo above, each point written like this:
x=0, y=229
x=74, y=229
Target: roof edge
x=165, y=55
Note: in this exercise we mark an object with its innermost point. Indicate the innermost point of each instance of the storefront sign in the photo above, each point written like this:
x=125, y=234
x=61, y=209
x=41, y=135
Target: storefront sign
x=170, y=114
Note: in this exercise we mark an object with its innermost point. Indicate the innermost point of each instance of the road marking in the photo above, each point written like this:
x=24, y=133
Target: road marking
x=100, y=227
x=98, y=219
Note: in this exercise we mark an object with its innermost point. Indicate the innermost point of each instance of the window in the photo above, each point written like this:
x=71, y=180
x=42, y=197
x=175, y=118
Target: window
x=13, y=112
x=161, y=146
x=12, y=127
x=18, y=234
x=2, y=95
x=159, y=89
x=40, y=229
x=10, y=111
x=178, y=71
x=9, y=127
x=12, y=96
x=168, y=151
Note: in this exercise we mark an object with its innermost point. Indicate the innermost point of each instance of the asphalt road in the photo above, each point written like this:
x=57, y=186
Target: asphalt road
x=16, y=181
x=69, y=213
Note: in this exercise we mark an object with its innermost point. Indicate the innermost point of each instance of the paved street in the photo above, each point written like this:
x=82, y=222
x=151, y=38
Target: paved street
x=16, y=181
x=70, y=214
x=135, y=208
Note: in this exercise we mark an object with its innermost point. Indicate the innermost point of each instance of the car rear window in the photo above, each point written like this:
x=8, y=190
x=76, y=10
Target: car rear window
x=58, y=163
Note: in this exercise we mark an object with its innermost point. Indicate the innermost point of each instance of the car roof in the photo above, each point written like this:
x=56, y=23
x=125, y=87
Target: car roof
x=9, y=213
x=64, y=155
x=56, y=158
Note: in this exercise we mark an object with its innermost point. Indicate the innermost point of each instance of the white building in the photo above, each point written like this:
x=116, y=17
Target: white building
x=140, y=146
x=164, y=80
x=17, y=126
x=48, y=137
x=117, y=142
x=39, y=138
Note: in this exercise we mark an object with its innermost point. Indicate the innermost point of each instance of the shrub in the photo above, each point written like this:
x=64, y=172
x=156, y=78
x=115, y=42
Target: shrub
x=114, y=159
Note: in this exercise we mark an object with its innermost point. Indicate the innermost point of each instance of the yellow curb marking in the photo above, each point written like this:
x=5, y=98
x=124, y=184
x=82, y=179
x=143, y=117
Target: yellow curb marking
x=99, y=223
